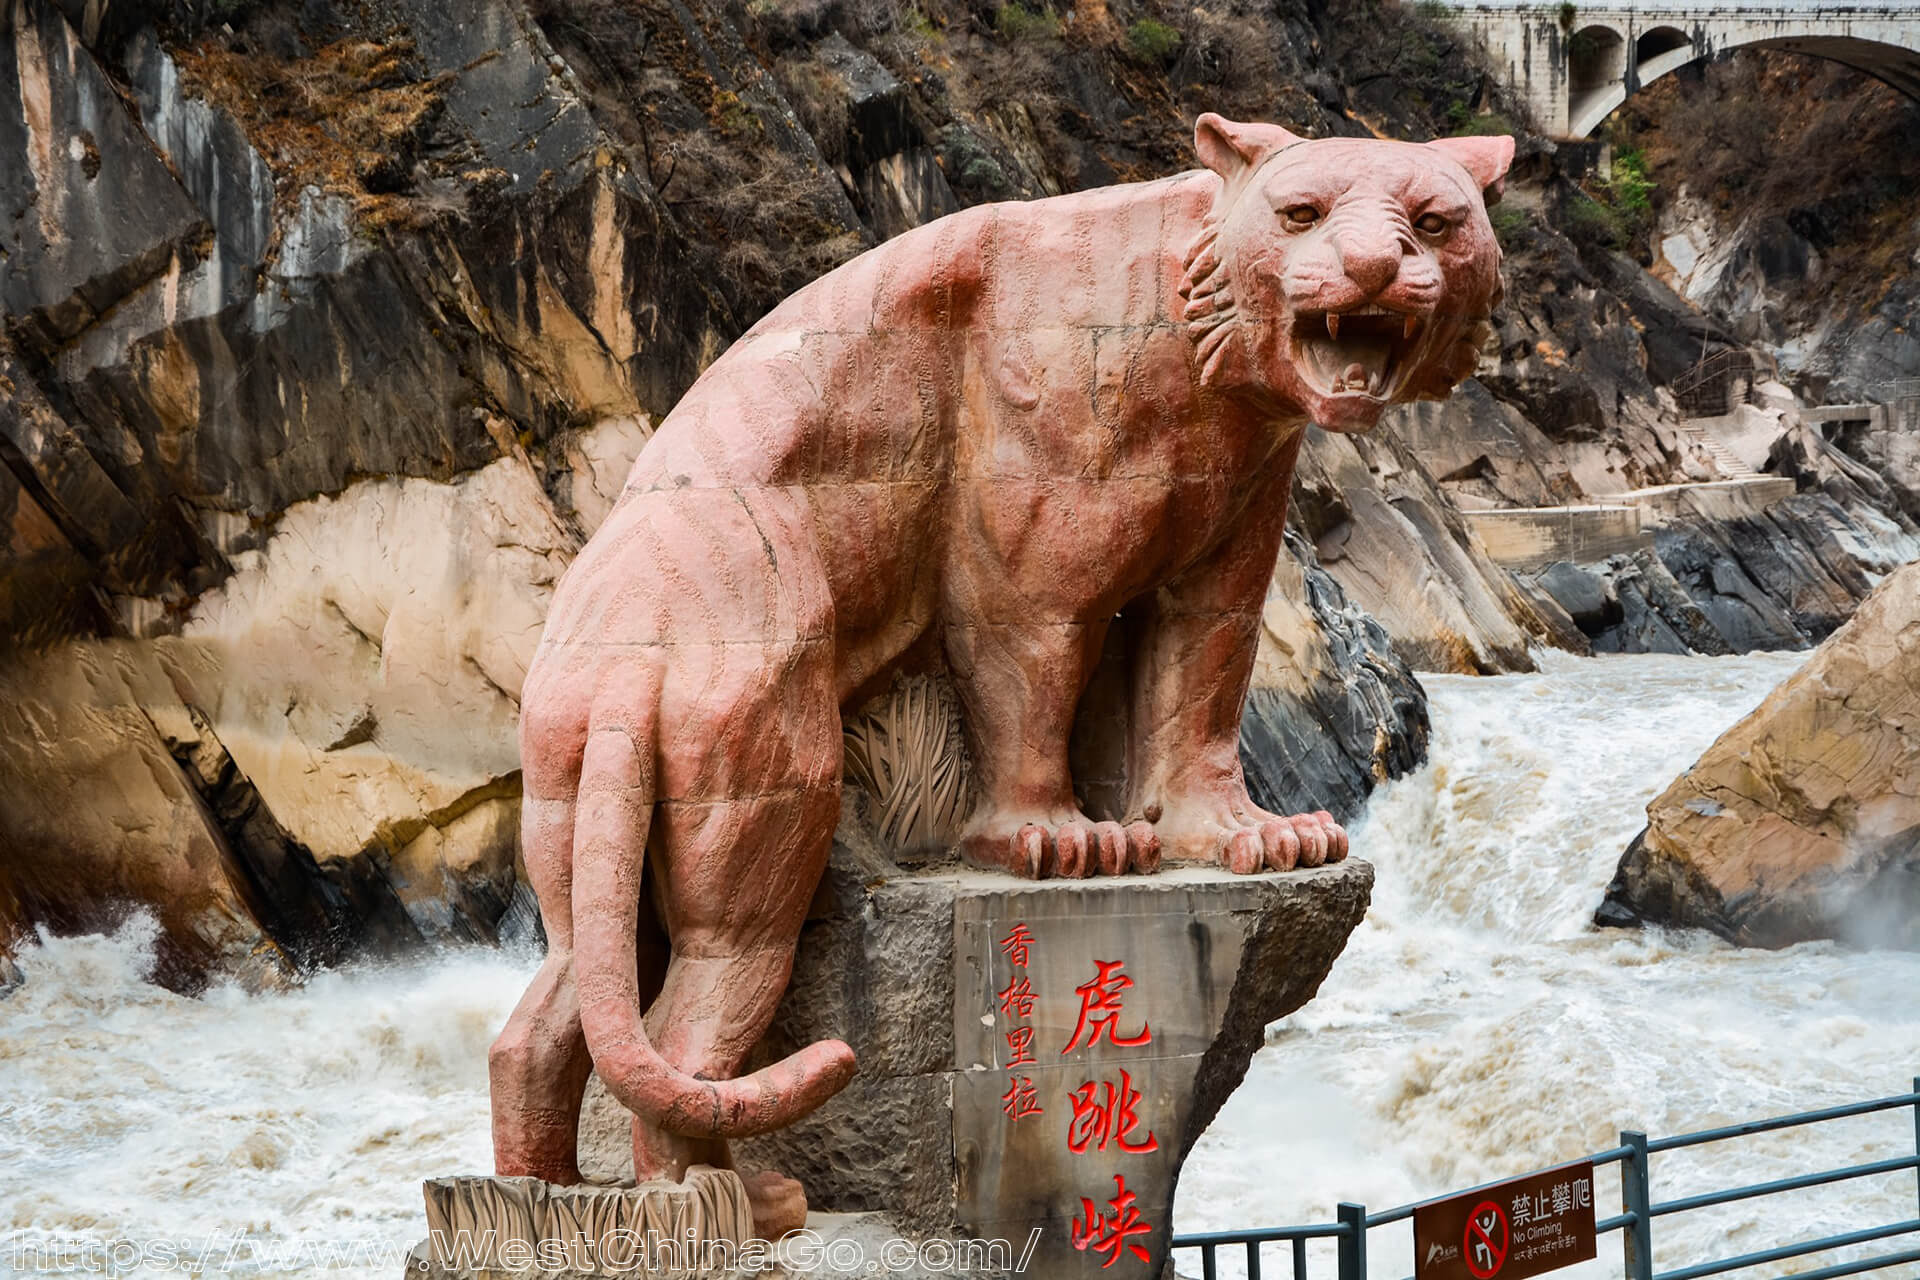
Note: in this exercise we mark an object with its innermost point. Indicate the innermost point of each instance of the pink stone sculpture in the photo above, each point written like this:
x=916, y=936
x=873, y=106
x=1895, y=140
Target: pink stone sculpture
x=976, y=446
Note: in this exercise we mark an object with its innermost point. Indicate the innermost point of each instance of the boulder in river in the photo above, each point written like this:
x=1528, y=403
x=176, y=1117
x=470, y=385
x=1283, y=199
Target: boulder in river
x=1803, y=820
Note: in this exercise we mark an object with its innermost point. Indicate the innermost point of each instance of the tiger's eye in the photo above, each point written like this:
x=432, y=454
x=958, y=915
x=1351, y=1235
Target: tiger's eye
x=1431, y=223
x=1302, y=216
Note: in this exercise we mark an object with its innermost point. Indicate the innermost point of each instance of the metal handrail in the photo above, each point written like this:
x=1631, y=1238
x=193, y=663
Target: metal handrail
x=1785, y=1122
x=1701, y=390
x=1790, y=1251
x=1839, y=1269
x=1266, y=1235
x=1719, y=362
x=1784, y=1184
x=1635, y=1222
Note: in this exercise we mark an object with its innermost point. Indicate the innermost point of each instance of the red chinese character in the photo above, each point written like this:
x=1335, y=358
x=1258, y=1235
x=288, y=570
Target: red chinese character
x=1112, y=1230
x=1015, y=944
x=1020, y=1099
x=1017, y=1000
x=1096, y=1119
x=1020, y=1041
x=1100, y=1009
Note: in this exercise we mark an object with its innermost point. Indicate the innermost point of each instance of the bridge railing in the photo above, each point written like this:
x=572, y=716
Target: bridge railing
x=1635, y=1221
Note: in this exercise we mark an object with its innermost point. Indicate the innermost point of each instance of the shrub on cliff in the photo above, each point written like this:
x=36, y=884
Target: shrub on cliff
x=1153, y=41
x=1017, y=22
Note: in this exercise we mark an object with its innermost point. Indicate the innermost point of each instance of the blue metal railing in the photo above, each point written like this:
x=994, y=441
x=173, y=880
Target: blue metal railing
x=1638, y=1209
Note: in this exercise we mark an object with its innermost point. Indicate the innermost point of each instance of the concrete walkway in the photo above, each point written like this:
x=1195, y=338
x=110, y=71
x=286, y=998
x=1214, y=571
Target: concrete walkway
x=1529, y=538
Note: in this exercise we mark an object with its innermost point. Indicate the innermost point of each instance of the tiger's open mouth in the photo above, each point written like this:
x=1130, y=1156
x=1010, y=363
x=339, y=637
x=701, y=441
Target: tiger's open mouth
x=1362, y=351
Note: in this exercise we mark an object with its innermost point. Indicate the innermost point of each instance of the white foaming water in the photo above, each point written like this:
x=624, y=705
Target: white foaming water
x=1478, y=1027
x=1475, y=1027
x=256, y=1135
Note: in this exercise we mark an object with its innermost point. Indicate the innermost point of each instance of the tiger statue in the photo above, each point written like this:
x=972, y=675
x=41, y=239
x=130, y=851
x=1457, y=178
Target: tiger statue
x=981, y=444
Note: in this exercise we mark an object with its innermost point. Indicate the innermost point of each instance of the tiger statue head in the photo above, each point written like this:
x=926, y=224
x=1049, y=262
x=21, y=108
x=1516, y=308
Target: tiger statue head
x=1335, y=277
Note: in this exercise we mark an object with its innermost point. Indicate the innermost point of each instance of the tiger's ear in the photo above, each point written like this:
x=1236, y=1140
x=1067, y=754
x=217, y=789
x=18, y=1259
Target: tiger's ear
x=1487, y=159
x=1232, y=149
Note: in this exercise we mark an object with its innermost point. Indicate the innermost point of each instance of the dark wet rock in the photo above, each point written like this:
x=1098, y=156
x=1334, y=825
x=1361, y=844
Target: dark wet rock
x=1785, y=577
x=1875, y=464
x=88, y=211
x=1569, y=360
x=1344, y=715
x=1657, y=615
x=1782, y=577
x=877, y=121
x=1741, y=613
x=892, y=172
x=1870, y=351
x=1673, y=332
x=1588, y=598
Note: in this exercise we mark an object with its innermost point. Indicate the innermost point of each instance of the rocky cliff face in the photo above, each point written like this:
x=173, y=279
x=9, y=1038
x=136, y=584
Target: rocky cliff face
x=310, y=395
x=331, y=330
x=1803, y=820
x=1786, y=203
x=1791, y=215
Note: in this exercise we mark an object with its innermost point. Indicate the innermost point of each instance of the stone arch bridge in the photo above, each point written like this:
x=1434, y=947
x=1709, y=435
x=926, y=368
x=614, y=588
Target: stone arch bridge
x=1574, y=63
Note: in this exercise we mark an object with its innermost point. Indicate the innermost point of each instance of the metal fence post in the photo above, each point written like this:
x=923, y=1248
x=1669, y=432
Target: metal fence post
x=1353, y=1245
x=1916, y=1125
x=1636, y=1198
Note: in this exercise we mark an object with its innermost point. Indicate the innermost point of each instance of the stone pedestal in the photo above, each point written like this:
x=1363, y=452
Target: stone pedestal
x=1034, y=1057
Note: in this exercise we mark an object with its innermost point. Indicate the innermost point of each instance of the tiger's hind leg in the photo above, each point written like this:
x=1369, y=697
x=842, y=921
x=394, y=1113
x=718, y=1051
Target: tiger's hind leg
x=724, y=981
x=741, y=839
x=538, y=1066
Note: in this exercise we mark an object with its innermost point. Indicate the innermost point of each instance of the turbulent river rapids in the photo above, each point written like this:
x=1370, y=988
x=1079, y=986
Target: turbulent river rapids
x=1476, y=1026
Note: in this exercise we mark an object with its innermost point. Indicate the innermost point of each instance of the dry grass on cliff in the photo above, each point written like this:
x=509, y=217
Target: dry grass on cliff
x=351, y=118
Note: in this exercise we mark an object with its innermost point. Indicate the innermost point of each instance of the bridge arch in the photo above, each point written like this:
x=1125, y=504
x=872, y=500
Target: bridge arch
x=1589, y=106
x=1652, y=43
x=1575, y=64
x=1598, y=58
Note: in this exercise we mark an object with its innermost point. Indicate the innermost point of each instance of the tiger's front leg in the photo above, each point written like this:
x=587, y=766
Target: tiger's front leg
x=1020, y=683
x=1190, y=672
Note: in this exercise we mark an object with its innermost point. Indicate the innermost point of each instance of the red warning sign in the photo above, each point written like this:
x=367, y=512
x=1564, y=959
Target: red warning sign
x=1487, y=1240
x=1525, y=1227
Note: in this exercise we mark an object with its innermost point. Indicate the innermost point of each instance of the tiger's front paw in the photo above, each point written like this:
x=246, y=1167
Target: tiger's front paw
x=1245, y=838
x=1041, y=847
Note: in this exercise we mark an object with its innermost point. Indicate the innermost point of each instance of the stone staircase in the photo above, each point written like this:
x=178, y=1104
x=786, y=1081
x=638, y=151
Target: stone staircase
x=1729, y=463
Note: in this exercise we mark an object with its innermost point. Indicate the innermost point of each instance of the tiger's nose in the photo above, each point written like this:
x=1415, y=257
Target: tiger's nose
x=1371, y=266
